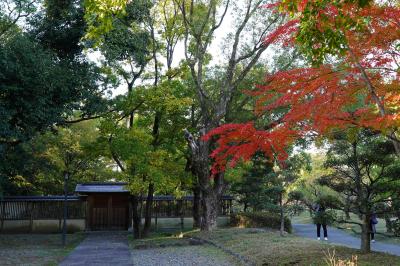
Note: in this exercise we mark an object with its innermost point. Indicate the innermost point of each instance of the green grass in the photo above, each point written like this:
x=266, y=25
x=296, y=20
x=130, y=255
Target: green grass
x=176, y=242
x=268, y=248
x=35, y=249
x=354, y=229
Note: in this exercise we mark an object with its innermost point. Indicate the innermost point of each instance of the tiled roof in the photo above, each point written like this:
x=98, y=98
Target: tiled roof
x=40, y=198
x=101, y=188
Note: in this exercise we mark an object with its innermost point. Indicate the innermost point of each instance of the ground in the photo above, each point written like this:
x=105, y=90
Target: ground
x=340, y=237
x=240, y=247
x=353, y=229
x=268, y=248
x=175, y=249
x=35, y=249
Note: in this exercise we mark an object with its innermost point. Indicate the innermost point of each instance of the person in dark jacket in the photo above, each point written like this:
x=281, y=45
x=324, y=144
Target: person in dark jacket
x=372, y=226
x=320, y=221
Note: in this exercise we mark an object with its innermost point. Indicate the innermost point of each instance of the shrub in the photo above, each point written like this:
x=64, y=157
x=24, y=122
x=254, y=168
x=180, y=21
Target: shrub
x=396, y=227
x=259, y=219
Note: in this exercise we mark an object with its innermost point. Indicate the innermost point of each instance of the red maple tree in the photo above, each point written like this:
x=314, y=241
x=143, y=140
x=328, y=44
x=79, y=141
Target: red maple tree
x=362, y=89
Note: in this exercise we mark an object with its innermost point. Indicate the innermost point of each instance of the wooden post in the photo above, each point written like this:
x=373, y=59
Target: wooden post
x=180, y=207
x=156, y=211
x=109, y=213
x=3, y=214
x=32, y=208
x=85, y=205
x=65, y=210
x=60, y=215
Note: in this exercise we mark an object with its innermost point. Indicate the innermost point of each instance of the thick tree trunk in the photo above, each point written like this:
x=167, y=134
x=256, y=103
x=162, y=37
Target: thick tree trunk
x=211, y=192
x=196, y=207
x=210, y=204
x=148, y=210
x=365, y=235
x=136, y=217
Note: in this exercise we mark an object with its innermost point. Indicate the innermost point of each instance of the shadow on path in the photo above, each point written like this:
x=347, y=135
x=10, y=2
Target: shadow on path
x=339, y=237
x=101, y=248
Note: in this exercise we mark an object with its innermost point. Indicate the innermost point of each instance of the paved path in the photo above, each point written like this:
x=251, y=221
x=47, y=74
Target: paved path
x=339, y=237
x=101, y=248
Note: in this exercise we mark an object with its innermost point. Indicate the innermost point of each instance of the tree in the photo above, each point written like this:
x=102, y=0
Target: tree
x=285, y=199
x=360, y=89
x=148, y=167
x=12, y=12
x=365, y=175
x=308, y=184
x=251, y=187
x=38, y=166
x=201, y=19
x=45, y=79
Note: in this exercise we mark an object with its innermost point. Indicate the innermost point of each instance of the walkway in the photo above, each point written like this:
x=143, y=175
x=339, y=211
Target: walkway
x=101, y=248
x=339, y=237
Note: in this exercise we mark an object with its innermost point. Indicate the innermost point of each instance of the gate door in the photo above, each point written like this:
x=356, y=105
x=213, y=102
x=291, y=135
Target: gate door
x=109, y=212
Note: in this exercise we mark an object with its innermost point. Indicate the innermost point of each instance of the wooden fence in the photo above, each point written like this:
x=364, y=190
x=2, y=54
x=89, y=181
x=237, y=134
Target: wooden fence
x=51, y=208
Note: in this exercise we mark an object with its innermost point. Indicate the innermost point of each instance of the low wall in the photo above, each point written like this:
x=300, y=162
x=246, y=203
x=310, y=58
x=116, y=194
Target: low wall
x=175, y=223
x=42, y=226
x=77, y=225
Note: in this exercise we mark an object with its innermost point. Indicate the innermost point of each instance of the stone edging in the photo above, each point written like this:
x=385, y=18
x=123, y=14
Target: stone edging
x=243, y=259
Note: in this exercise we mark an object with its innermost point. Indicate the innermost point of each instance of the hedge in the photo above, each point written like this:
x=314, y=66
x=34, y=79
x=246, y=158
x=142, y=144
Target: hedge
x=259, y=219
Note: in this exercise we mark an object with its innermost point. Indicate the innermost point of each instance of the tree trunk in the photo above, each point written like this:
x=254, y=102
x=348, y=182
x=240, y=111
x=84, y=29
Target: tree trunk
x=211, y=192
x=282, y=217
x=365, y=235
x=210, y=204
x=148, y=211
x=136, y=217
x=196, y=207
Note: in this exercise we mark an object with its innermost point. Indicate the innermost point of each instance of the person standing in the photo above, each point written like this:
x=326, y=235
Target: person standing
x=372, y=226
x=320, y=221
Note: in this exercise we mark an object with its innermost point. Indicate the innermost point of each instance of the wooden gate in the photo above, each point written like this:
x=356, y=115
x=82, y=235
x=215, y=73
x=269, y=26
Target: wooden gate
x=108, y=212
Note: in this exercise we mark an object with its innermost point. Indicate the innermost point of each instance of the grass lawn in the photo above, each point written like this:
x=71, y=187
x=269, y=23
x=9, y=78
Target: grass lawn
x=174, y=242
x=354, y=229
x=268, y=248
x=35, y=249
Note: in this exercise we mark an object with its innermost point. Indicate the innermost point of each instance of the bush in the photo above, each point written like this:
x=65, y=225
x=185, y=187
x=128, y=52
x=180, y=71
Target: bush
x=259, y=219
x=396, y=227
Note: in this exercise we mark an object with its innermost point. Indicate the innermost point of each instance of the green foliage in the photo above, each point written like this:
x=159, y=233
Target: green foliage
x=107, y=17
x=259, y=219
x=321, y=34
x=48, y=27
x=38, y=166
x=250, y=183
x=38, y=92
x=12, y=12
x=396, y=227
x=308, y=183
x=365, y=175
x=327, y=217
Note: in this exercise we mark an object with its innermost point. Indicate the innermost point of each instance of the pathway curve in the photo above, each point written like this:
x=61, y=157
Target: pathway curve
x=339, y=237
x=101, y=248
